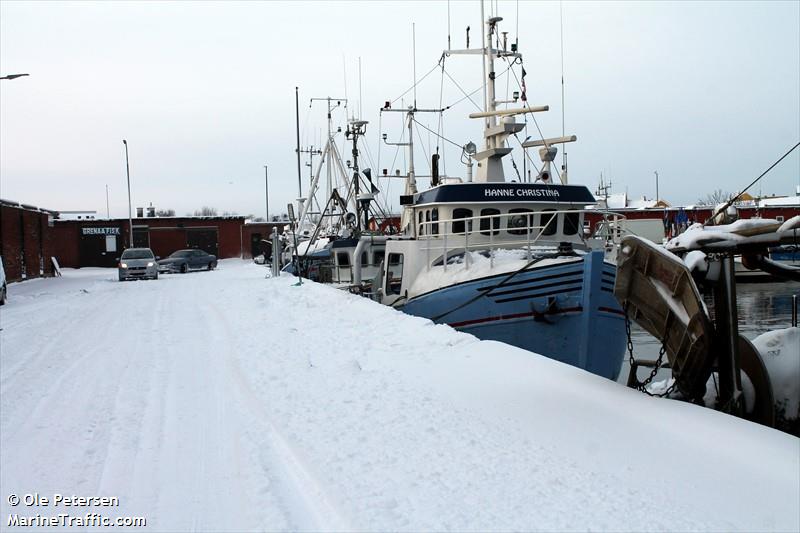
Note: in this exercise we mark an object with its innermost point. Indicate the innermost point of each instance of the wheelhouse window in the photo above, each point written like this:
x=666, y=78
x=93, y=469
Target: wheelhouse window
x=364, y=259
x=549, y=223
x=521, y=222
x=377, y=256
x=572, y=222
x=490, y=225
x=427, y=230
x=421, y=226
x=460, y=225
x=342, y=259
x=394, y=274
x=434, y=221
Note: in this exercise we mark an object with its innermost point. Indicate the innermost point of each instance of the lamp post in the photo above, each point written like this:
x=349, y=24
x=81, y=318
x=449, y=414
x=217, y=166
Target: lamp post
x=266, y=189
x=128, y=172
x=13, y=76
x=656, y=173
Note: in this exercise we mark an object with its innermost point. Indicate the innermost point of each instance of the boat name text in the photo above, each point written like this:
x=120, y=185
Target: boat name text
x=539, y=193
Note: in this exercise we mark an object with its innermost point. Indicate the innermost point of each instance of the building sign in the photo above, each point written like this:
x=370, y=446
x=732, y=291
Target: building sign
x=504, y=192
x=101, y=231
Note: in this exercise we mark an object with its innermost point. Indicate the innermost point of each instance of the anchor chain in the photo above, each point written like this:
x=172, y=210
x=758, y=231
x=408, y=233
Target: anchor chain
x=642, y=385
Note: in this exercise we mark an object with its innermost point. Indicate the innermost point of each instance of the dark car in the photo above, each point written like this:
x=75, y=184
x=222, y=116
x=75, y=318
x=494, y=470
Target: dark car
x=186, y=260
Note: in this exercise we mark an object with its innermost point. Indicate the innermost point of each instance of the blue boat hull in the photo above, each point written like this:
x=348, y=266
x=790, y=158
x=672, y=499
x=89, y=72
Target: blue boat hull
x=565, y=311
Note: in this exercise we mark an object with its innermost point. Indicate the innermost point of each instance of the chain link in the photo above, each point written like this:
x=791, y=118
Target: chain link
x=642, y=385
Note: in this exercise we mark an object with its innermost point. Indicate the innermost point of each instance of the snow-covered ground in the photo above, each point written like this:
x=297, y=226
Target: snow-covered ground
x=221, y=400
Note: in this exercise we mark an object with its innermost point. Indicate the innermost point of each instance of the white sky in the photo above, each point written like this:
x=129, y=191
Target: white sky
x=708, y=94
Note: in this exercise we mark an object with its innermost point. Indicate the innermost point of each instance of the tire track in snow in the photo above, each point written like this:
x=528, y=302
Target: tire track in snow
x=304, y=497
x=84, y=385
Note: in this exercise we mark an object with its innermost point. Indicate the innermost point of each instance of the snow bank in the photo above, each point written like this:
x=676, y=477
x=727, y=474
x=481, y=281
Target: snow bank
x=223, y=401
x=780, y=350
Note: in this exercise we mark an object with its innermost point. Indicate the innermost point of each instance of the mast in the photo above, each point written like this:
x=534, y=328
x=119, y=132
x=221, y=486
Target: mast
x=495, y=133
x=330, y=157
x=356, y=129
x=297, y=150
x=484, y=53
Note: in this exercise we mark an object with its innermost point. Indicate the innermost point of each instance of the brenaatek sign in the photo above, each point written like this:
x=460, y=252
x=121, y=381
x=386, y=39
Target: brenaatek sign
x=100, y=231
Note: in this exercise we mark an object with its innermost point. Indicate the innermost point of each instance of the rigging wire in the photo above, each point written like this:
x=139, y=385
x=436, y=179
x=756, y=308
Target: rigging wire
x=527, y=155
x=417, y=82
x=465, y=92
x=729, y=202
x=441, y=136
x=533, y=117
x=422, y=144
x=397, y=148
x=471, y=93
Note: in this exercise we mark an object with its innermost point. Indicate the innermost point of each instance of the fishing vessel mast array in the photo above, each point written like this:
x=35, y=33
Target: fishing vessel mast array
x=515, y=261
x=502, y=260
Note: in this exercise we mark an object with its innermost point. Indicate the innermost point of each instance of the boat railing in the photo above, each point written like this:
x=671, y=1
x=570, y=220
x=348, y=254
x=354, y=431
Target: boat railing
x=498, y=231
x=328, y=271
x=611, y=228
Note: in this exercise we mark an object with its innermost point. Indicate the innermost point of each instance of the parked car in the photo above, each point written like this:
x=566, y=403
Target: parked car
x=3, y=286
x=185, y=260
x=138, y=263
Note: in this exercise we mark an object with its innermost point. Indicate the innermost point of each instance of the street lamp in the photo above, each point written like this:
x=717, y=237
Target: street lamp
x=266, y=188
x=13, y=76
x=128, y=172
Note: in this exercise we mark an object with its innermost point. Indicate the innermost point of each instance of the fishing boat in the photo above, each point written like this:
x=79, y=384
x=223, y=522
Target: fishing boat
x=502, y=260
x=322, y=242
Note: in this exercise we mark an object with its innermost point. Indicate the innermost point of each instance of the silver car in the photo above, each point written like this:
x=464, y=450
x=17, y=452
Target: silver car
x=138, y=263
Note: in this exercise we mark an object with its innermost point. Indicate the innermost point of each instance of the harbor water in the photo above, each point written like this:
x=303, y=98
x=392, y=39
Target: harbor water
x=762, y=307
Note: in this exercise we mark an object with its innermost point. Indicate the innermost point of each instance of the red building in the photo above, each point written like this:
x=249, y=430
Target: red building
x=78, y=243
x=677, y=219
x=25, y=240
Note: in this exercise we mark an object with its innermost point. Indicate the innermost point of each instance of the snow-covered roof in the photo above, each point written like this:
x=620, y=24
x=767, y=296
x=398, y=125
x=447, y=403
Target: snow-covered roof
x=617, y=201
x=642, y=203
x=779, y=201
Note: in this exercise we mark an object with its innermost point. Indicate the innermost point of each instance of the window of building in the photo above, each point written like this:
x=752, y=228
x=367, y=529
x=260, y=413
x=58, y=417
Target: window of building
x=487, y=223
x=460, y=225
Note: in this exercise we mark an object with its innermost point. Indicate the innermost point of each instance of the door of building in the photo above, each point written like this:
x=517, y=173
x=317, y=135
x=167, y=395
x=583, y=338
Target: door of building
x=100, y=247
x=203, y=239
x=256, y=247
x=141, y=237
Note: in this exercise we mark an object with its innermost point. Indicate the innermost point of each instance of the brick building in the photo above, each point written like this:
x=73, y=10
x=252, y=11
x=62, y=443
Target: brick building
x=25, y=240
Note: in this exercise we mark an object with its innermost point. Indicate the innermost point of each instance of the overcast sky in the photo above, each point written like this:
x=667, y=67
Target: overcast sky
x=707, y=94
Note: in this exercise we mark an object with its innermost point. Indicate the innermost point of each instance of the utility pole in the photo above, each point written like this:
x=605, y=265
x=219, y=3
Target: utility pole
x=297, y=122
x=266, y=189
x=130, y=212
x=656, y=173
